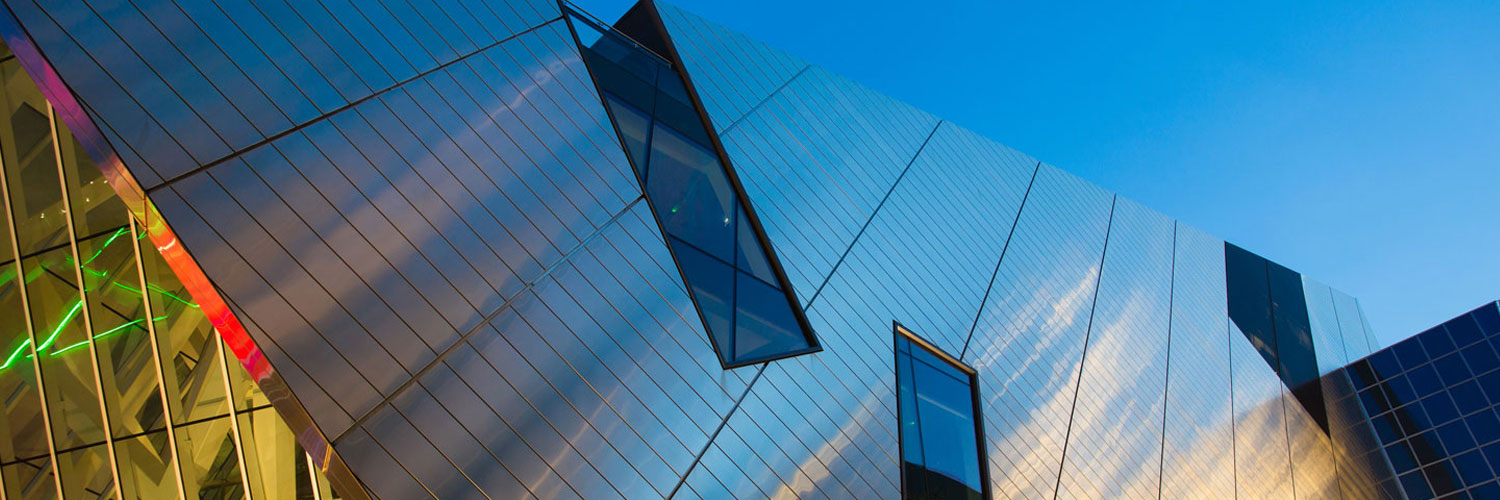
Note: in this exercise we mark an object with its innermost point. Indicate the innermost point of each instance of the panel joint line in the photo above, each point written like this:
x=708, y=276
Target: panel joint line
x=873, y=213
x=1089, y=332
x=1003, y=249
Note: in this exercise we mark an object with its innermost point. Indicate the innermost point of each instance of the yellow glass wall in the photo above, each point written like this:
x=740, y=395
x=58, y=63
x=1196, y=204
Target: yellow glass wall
x=112, y=383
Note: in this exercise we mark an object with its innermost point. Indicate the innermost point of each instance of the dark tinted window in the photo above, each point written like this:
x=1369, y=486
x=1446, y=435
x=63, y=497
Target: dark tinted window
x=742, y=297
x=940, y=446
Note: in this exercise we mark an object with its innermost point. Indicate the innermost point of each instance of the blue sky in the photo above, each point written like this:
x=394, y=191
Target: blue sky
x=1355, y=141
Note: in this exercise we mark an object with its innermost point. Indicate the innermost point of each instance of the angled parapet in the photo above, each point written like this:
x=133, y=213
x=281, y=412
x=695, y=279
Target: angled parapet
x=79, y=117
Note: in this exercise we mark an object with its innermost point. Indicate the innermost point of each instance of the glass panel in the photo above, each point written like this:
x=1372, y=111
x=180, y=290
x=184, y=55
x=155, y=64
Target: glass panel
x=939, y=437
x=146, y=471
x=712, y=284
x=24, y=431
x=121, y=336
x=635, y=127
x=86, y=474
x=750, y=257
x=30, y=480
x=96, y=209
x=246, y=393
x=30, y=163
x=271, y=454
x=62, y=346
x=189, y=346
x=692, y=197
x=764, y=324
x=210, y=468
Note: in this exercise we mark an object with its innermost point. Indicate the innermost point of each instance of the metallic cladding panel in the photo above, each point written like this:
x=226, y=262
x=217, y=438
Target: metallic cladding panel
x=1114, y=439
x=458, y=280
x=1329, y=343
x=1352, y=326
x=733, y=73
x=824, y=425
x=815, y=156
x=1198, y=448
x=176, y=85
x=1029, y=339
x=1262, y=461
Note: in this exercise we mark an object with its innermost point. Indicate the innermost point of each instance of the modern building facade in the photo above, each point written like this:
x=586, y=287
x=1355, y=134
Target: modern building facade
x=500, y=249
x=1432, y=401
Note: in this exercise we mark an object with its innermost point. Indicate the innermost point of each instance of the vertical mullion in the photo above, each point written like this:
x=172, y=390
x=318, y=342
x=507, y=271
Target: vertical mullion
x=161, y=379
x=234, y=418
x=36, y=365
x=88, y=327
x=312, y=477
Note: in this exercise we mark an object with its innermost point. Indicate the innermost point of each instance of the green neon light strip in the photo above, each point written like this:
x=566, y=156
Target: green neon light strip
x=106, y=332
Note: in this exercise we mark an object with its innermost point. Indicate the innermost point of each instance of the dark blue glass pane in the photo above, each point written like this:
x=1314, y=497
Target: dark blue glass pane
x=1416, y=486
x=690, y=193
x=622, y=71
x=675, y=109
x=1456, y=437
x=1384, y=363
x=1481, y=357
x=1464, y=329
x=1453, y=369
x=765, y=325
x=1412, y=419
x=1401, y=457
x=1399, y=391
x=634, y=127
x=1386, y=428
x=1436, y=342
x=1363, y=374
x=1468, y=397
x=1486, y=426
x=948, y=432
x=1490, y=382
x=1440, y=408
x=1424, y=380
x=712, y=284
x=1426, y=448
x=750, y=257
x=1487, y=491
x=1488, y=318
x=1472, y=468
x=1442, y=478
x=1492, y=453
x=1374, y=401
x=1410, y=353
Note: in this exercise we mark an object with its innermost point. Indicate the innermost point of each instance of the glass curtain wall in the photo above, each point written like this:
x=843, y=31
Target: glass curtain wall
x=114, y=384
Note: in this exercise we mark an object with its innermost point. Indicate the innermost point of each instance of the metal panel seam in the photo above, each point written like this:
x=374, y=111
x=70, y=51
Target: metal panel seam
x=873, y=213
x=296, y=128
x=463, y=340
x=1084, y=356
x=1004, y=248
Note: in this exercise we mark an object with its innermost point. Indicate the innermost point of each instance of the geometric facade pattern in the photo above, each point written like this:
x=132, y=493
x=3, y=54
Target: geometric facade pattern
x=1432, y=401
x=416, y=229
x=115, y=383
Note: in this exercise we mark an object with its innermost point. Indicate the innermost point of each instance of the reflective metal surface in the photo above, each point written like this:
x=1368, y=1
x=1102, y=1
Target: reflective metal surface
x=418, y=231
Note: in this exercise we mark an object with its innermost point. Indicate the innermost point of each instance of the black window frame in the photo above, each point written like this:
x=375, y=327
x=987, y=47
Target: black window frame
x=899, y=334
x=644, y=16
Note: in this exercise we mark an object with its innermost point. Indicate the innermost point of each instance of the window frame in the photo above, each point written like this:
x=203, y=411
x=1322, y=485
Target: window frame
x=900, y=333
x=571, y=15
